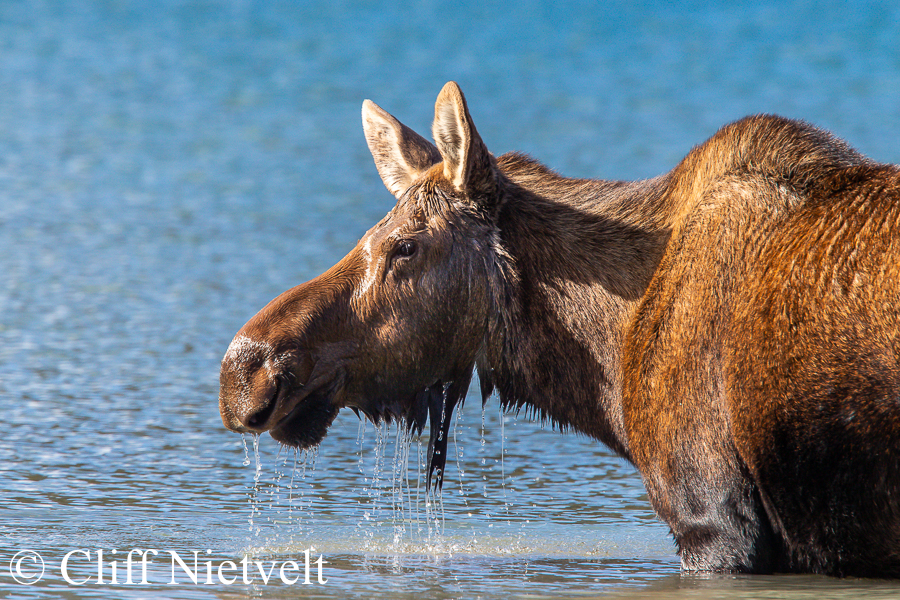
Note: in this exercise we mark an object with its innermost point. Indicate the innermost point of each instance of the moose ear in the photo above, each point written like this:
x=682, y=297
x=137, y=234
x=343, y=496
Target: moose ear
x=467, y=162
x=400, y=154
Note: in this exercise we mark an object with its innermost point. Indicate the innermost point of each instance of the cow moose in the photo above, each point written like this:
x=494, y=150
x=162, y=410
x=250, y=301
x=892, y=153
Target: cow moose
x=731, y=328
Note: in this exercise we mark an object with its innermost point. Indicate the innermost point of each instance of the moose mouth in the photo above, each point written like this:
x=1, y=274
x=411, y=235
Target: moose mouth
x=308, y=422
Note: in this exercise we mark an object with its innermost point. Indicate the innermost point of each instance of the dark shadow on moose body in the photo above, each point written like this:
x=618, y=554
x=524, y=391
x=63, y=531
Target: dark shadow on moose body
x=732, y=328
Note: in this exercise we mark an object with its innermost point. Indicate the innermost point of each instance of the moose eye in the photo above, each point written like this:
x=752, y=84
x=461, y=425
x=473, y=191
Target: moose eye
x=406, y=248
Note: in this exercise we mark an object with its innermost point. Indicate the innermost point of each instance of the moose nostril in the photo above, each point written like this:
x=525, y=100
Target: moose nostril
x=259, y=418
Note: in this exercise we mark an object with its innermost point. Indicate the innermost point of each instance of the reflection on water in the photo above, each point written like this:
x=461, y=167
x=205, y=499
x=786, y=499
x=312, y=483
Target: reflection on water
x=166, y=168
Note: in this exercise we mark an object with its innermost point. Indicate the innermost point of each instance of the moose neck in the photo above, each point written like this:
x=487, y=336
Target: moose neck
x=583, y=253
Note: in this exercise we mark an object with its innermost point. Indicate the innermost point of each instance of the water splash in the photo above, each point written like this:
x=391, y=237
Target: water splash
x=397, y=515
x=460, y=471
x=375, y=489
x=254, y=499
x=503, y=464
x=246, y=462
x=394, y=493
x=279, y=504
x=484, y=477
x=401, y=500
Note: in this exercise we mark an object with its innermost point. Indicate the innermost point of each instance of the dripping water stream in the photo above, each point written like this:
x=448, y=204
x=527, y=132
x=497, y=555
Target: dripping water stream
x=396, y=513
x=495, y=504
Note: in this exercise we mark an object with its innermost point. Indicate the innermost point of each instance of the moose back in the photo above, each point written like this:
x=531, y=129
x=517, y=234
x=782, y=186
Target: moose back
x=732, y=328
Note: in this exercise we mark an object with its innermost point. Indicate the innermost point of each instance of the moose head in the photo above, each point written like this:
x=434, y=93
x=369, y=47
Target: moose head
x=395, y=329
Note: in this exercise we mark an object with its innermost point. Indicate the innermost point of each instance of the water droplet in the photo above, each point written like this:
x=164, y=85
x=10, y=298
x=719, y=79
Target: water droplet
x=246, y=450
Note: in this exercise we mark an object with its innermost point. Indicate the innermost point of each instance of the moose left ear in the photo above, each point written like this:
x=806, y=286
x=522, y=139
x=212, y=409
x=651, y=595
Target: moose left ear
x=401, y=155
x=467, y=163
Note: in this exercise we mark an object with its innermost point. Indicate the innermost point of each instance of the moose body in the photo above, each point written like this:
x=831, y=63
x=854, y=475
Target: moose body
x=732, y=328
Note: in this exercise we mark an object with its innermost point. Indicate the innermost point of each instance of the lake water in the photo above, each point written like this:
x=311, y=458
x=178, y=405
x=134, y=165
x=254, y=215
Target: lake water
x=166, y=168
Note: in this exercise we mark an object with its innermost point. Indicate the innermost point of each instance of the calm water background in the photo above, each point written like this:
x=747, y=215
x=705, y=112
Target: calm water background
x=166, y=168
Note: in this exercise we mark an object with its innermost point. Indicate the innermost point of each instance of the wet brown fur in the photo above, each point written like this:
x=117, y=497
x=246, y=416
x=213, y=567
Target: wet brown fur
x=732, y=328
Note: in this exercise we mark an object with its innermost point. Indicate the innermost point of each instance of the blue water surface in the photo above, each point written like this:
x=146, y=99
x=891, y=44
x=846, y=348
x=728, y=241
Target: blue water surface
x=168, y=167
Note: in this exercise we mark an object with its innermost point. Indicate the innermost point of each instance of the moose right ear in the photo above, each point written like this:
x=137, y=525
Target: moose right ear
x=401, y=155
